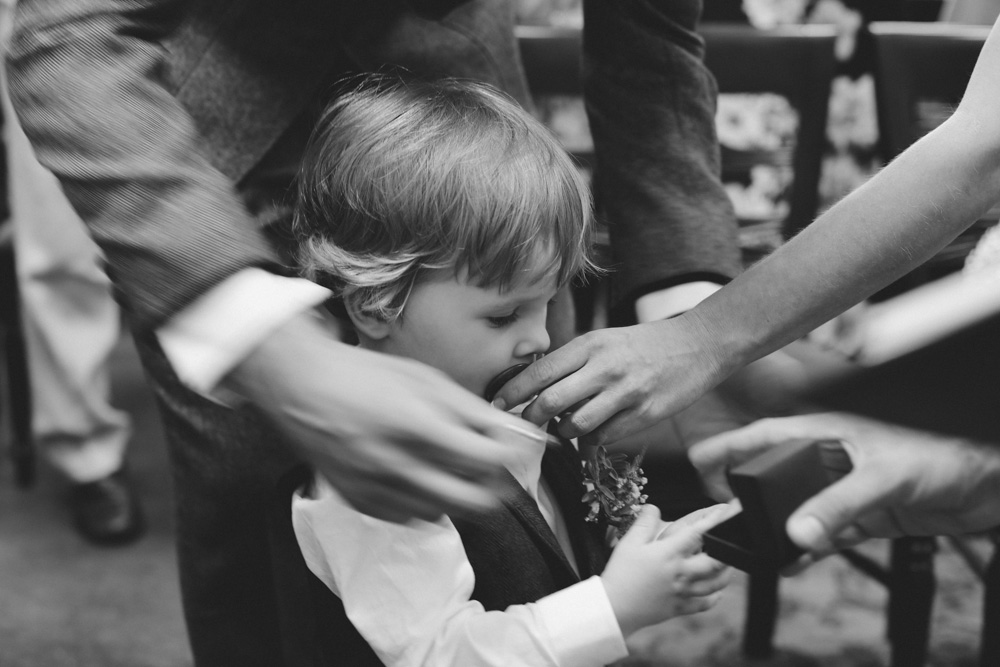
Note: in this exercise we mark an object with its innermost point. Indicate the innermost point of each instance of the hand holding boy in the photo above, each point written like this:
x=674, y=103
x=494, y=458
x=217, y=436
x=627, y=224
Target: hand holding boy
x=396, y=438
x=658, y=571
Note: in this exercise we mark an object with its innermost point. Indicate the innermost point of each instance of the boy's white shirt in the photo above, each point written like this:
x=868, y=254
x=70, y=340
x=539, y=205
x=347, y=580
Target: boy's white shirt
x=407, y=589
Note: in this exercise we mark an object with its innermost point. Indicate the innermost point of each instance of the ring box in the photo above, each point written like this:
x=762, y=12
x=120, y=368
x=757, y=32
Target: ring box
x=770, y=487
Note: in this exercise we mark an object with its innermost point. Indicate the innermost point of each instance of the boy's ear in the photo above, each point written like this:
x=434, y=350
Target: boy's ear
x=367, y=325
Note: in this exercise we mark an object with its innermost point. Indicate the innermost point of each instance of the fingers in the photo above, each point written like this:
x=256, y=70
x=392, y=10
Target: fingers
x=700, y=519
x=821, y=520
x=680, y=542
x=646, y=527
x=407, y=487
x=381, y=501
x=734, y=447
x=539, y=376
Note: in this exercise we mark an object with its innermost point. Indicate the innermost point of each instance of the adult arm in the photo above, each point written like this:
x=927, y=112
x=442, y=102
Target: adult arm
x=87, y=77
x=903, y=482
x=638, y=375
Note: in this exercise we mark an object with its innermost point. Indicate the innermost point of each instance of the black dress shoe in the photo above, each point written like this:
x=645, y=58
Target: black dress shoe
x=106, y=511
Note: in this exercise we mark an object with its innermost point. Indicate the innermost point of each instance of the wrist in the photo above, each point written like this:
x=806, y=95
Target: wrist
x=623, y=606
x=720, y=355
x=283, y=353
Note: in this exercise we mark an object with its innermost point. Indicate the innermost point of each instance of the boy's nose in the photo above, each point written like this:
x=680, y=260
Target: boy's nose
x=535, y=341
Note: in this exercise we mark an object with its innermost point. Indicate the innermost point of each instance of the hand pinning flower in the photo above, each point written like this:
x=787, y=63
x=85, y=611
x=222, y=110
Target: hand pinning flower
x=613, y=486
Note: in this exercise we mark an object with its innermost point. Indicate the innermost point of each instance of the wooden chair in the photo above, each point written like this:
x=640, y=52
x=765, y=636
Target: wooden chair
x=552, y=63
x=796, y=62
x=15, y=395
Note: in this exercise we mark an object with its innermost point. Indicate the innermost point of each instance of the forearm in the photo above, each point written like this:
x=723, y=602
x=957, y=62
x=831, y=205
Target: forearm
x=89, y=88
x=890, y=225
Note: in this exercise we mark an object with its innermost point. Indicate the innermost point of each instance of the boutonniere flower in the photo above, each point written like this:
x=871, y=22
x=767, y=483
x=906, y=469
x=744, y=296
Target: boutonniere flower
x=613, y=489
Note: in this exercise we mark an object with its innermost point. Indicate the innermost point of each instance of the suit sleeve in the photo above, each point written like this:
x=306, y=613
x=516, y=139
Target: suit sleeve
x=88, y=83
x=651, y=105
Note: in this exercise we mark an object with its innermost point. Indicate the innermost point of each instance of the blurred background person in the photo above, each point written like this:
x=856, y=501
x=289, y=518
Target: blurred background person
x=71, y=326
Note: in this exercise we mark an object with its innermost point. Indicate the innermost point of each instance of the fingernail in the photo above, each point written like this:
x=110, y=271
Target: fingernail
x=808, y=533
x=499, y=404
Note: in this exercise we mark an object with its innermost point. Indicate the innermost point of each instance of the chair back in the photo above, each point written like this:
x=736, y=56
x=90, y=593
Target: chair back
x=796, y=62
x=921, y=72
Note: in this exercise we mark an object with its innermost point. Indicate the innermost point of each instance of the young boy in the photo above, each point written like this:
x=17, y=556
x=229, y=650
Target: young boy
x=446, y=219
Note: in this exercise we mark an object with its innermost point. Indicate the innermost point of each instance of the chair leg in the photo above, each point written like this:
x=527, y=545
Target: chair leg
x=761, y=616
x=15, y=364
x=989, y=648
x=911, y=598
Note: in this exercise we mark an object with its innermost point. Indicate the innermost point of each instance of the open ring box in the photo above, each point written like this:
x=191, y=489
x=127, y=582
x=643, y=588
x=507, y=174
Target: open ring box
x=770, y=487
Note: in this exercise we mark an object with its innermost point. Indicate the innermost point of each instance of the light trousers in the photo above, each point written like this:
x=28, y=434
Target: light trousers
x=71, y=322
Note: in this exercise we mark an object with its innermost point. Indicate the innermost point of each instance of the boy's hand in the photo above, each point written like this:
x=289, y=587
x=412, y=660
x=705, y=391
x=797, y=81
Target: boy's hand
x=658, y=571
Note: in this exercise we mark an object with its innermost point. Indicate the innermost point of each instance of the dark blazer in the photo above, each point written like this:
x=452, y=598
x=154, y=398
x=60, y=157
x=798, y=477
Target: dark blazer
x=95, y=90
x=150, y=110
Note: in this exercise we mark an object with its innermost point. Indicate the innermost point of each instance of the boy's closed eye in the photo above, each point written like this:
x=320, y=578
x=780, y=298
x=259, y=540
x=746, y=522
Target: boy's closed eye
x=501, y=321
x=507, y=319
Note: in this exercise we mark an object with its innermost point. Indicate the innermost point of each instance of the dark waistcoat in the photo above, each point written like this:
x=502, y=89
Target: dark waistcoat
x=513, y=552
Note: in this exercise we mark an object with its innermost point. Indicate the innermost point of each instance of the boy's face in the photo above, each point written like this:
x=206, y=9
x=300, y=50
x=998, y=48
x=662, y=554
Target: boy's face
x=471, y=333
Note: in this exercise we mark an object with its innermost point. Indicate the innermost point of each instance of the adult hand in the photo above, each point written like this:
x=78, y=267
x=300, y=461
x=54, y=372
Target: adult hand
x=396, y=438
x=617, y=381
x=903, y=482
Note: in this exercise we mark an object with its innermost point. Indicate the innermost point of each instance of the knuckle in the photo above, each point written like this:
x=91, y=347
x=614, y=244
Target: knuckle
x=541, y=371
x=548, y=401
x=581, y=423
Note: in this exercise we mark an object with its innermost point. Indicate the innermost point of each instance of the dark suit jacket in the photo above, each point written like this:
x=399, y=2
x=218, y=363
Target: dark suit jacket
x=148, y=139
x=94, y=88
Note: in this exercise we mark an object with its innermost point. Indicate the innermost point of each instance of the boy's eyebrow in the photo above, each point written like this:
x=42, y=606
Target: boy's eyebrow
x=516, y=300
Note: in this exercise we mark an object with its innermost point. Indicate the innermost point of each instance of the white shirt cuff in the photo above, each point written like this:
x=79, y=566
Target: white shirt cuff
x=673, y=301
x=216, y=332
x=582, y=625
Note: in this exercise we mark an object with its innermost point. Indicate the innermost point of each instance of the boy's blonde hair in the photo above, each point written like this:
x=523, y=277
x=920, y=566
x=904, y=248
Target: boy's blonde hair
x=405, y=177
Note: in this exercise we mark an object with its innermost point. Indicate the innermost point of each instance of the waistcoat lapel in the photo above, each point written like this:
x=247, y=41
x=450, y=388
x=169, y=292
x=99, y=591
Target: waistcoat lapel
x=525, y=510
x=561, y=467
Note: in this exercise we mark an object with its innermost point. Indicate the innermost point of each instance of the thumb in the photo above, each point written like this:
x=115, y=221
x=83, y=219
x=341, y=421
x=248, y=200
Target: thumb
x=645, y=527
x=818, y=521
